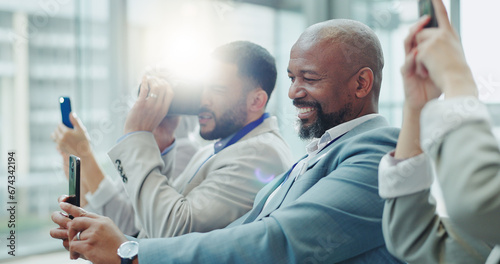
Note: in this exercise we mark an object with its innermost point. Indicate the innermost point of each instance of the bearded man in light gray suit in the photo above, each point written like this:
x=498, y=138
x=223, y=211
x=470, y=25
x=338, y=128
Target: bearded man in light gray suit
x=326, y=208
x=220, y=181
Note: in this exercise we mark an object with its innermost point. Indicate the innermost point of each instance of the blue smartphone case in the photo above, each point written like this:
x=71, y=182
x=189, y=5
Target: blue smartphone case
x=65, y=103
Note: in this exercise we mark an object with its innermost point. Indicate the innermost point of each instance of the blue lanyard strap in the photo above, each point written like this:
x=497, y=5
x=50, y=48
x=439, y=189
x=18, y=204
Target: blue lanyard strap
x=245, y=130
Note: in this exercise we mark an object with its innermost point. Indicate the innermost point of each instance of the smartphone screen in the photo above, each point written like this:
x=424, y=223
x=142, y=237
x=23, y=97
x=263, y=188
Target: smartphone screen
x=74, y=180
x=65, y=103
x=425, y=7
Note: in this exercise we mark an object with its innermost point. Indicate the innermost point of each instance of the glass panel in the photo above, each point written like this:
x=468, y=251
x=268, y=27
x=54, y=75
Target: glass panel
x=41, y=50
x=481, y=45
x=391, y=20
x=481, y=50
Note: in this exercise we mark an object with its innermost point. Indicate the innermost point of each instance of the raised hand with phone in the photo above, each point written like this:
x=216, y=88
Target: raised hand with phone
x=443, y=131
x=441, y=58
x=76, y=141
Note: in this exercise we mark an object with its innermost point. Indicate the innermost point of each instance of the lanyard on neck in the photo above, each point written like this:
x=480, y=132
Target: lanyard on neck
x=245, y=130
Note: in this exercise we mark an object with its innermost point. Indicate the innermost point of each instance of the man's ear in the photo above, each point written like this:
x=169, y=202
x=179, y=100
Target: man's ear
x=257, y=100
x=364, y=82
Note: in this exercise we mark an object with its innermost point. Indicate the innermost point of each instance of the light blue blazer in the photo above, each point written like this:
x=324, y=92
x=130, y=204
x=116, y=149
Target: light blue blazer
x=331, y=214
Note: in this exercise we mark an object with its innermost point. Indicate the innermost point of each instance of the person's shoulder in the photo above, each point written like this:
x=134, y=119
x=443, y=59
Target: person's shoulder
x=267, y=142
x=377, y=135
x=266, y=134
x=374, y=140
x=388, y=132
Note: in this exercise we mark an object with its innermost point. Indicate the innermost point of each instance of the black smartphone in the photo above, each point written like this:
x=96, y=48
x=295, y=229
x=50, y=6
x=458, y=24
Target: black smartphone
x=74, y=180
x=65, y=103
x=425, y=7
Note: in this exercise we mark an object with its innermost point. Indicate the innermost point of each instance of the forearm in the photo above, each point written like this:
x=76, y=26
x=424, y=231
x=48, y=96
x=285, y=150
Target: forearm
x=409, y=221
x=412, y=229
x=409, y=136
x=149, y=191
x=276, y=238
x=469, y=169
x=92, y=174
x=459, y=83
x=416, y=234
x=456, y=133
x=223, y=195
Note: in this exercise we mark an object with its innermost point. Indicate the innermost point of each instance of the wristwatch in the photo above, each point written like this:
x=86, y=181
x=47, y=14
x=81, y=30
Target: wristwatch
x=128, y=251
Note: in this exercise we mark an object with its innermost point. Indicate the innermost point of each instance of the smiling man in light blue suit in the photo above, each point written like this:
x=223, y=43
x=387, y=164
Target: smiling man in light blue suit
x=326, y=208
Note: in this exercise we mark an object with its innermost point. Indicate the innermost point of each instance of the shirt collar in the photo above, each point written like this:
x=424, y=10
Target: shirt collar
x=333, y=133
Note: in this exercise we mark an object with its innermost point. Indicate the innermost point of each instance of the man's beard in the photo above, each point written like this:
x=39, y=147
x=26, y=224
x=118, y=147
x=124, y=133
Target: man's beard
x=323, y=121
x=228, y=123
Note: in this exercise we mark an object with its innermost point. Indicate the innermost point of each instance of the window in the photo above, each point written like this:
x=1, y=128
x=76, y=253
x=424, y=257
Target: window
x=47, y=49
x=481, y=51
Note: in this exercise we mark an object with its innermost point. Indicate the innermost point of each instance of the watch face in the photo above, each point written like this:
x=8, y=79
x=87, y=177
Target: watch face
x=128, y=249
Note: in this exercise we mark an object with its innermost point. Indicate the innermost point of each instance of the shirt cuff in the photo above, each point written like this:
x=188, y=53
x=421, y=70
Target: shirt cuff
x=131, y=238
x=104, y=193
x=168, y=149
x=130, y=133
x=403, y=177
x=439, y=117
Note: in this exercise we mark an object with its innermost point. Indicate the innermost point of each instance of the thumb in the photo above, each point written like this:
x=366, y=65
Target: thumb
x=73, y=118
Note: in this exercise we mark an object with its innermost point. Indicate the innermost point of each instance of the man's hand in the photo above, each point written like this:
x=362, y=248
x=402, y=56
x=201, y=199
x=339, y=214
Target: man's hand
x=152, y=105
x=440, y=56
x=90, y=236
x=74, y=141
x=418, y=89
x=62, y=219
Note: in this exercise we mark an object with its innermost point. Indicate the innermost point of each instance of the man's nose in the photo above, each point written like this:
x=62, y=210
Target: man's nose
x=296, y=90
x=205, y=97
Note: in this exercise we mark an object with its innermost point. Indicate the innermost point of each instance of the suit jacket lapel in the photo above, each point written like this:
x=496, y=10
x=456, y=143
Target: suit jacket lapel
x=258, y=212
x=278, y=198
x=263, y=195
x=261, y=199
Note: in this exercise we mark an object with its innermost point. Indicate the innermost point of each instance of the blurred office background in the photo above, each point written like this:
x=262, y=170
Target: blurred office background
x=95, y=51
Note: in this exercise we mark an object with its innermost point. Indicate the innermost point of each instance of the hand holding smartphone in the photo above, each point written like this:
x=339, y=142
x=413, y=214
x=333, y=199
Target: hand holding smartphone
x=425, y=7
x=74, y=181
x=65, y=103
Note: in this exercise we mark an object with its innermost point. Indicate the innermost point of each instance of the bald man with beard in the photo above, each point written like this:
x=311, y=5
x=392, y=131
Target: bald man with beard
x=326, y=208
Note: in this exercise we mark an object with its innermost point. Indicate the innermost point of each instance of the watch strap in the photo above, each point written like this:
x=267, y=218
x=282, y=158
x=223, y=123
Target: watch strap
x=126, y=260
